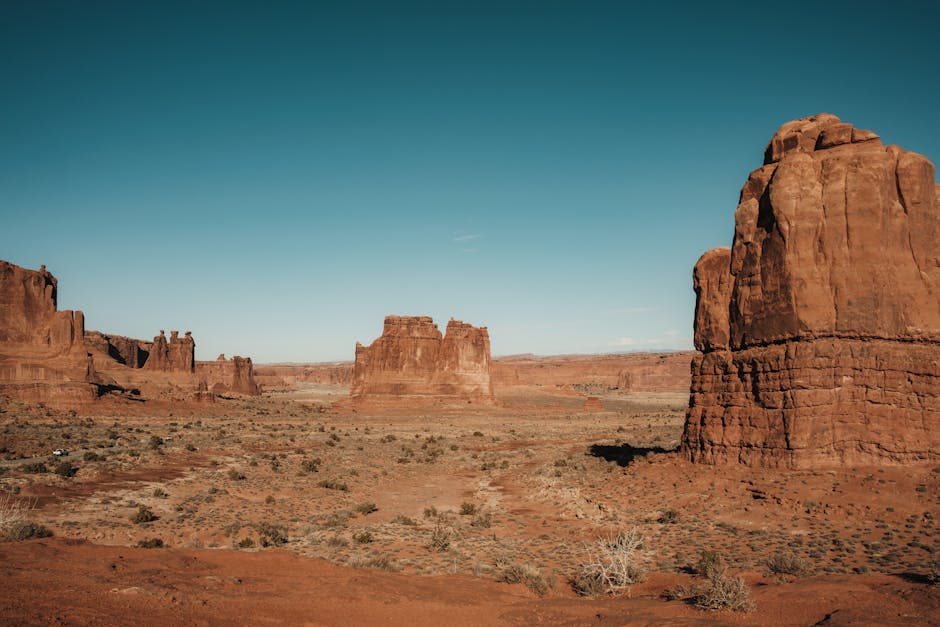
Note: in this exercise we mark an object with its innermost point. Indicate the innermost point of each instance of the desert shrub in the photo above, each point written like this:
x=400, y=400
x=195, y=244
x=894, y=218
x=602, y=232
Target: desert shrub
x=725, y=592
x=440, y=539
x=613, y=565
x=467, y=509
x=245, y=543
x=401, y=519
x=310, y=465
x=159, y=493
x=529, y=575
x=27, y=530
x=66, y=469
x=933, y=573
x=337, y=541
x=190, y=448
x=34, y=468
x=430, y=512
x=483, y=521
x=155, y=442
x=387, y=438
x=709, y=564
x=333, y=484
x=91, y=456
x=366, y=508
x=363, y=537
x=236, y=475
x=787, y=563
x=152, y=543
x=270, y=500
x=143, y=515
x=12, y=511
x=271, y=535
x=670, y=516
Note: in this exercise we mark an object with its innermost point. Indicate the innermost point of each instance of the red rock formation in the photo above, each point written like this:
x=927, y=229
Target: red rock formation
x=819, y=330
x=127, y=351
x=177, y=355
x=233, y=376
x=42, y=350
x=411, y=358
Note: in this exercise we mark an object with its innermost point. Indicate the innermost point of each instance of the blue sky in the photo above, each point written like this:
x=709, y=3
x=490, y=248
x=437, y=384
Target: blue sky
x=277, y=180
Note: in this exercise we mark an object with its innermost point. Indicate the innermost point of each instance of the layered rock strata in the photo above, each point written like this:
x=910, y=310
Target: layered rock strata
x=224, y=376
x=42, y=350
x=819, y=329
x=413, y=359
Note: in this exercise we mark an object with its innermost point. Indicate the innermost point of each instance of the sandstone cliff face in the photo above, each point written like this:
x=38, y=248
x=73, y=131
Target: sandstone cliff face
x=177, y=355
x=42, y=350
x=412, y=358
x=819, y=330
x=228, y=376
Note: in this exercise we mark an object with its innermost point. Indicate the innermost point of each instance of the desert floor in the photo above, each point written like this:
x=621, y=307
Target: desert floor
x=301, y=508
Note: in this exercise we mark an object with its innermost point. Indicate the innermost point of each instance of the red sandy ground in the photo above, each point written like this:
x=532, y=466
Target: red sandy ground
x=55, y=581
x=541, y=466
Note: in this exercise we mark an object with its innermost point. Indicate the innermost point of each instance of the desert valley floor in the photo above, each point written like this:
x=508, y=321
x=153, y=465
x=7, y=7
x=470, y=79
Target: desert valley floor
x=298, y=507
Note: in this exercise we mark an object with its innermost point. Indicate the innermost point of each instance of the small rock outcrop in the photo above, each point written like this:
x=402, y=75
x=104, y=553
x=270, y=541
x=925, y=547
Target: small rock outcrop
x=819, y=329
x=413, y=359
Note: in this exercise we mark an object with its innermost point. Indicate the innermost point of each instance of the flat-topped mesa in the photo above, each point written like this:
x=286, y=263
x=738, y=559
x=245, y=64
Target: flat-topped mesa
x=228, y=376
x=819, y=330
x=412, y=358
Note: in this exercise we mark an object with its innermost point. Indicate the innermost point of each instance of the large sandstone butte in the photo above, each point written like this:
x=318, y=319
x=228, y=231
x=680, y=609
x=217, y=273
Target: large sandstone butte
x=412, y=359
x=819, y=329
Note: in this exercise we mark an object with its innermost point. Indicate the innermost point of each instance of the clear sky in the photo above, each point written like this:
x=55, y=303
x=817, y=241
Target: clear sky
x=277, y=177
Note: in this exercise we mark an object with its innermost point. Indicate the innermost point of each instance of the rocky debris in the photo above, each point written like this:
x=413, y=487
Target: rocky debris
x=228, y=376
x=412, y=358
x=819, y=330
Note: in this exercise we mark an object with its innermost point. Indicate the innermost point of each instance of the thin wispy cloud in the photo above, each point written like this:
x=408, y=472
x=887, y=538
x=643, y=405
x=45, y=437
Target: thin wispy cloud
x=466, y=238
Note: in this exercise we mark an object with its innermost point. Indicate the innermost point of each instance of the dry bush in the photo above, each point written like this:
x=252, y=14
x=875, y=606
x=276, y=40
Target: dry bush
x=143, y=515
x=725, y=592
x=613, y=565
x=440, y=539
x=531, y=576
x=787, y=563
x=12, y=511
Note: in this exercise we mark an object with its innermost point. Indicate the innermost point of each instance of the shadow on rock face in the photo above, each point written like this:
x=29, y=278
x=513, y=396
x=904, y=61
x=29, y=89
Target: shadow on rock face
x=625, y=454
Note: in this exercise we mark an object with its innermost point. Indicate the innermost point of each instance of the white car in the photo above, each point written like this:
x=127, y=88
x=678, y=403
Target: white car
x=60, y=452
